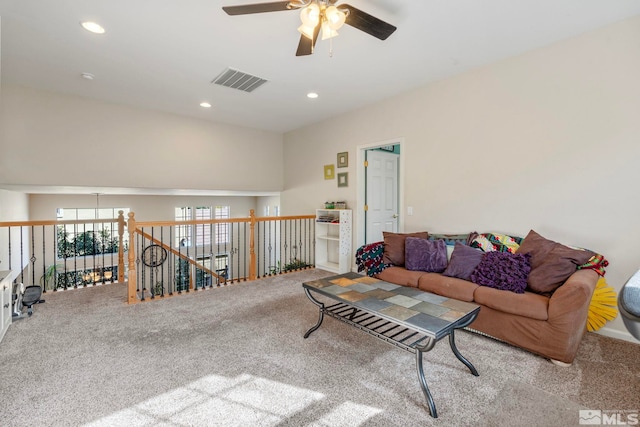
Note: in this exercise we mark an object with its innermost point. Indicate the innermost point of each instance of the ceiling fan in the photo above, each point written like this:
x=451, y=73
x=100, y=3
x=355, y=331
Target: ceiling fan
x=319, y=15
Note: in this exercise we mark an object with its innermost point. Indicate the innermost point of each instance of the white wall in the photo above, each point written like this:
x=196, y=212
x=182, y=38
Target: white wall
x=13, y=207
x=547, y=140
x=146, y=208
x=54, y=139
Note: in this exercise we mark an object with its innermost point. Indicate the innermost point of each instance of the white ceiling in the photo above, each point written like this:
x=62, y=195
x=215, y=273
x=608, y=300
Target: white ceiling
x=163, y=54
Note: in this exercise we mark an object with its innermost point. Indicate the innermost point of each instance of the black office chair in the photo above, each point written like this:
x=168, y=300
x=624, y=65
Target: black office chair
x=629, y=305
x=25, y=297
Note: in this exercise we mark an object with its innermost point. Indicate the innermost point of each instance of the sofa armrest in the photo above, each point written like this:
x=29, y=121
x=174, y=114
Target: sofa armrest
x=574, y=296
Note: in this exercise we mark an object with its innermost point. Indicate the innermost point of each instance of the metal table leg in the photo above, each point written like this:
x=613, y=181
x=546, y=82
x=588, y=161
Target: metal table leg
x=423, y=382
x=454, y=348
x=320, y=316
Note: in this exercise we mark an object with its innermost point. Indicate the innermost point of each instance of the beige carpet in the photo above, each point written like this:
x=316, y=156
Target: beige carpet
x=235, y=356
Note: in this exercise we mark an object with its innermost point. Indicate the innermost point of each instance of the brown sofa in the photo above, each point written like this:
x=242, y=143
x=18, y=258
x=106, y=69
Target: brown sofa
x=549, y=325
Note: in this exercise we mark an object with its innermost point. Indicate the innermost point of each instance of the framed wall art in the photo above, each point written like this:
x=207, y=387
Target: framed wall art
x=343, y=179
x=329, y=172
x=343, y=160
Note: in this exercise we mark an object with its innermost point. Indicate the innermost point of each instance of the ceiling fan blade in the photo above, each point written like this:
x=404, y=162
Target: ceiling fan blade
x=367, y=23
x=246, y=9
x=306, y=45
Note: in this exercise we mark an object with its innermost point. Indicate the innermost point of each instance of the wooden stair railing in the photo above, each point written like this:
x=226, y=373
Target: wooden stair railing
x=135, y=227
x=179, y=254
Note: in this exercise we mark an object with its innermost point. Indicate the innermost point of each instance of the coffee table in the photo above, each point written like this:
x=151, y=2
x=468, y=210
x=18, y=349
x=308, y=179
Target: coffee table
x=405, y=317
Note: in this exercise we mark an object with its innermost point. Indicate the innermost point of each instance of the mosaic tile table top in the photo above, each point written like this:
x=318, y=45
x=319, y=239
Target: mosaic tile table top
x=429, y=313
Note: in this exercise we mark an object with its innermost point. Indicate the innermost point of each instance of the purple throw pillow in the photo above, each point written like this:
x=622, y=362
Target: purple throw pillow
x=464, y=259
x=425, y=255
x=503, y=270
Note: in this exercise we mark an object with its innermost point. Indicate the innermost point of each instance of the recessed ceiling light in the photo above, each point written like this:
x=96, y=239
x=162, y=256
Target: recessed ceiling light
x=88, y=76
x=312, y=95
x=205, y=105
x=93, y=27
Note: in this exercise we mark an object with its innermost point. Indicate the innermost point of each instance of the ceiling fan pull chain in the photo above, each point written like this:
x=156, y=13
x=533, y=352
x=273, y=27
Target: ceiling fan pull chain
x=331, y=47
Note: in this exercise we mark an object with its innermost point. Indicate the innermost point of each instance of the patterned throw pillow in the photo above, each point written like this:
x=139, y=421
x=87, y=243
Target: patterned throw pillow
x=369, y=258
x=452, y=239
x=503, y=270
x=597, y=263
x=494, y=242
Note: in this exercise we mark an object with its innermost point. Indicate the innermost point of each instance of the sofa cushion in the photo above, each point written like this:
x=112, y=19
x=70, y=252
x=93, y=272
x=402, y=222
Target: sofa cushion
x=551, y=262
x=527, y=304
x=400, y=276
x=445, y=286
x=494, y=242
x=394, y=246
x=503, y=270
x=464, y=260
x=425, y=255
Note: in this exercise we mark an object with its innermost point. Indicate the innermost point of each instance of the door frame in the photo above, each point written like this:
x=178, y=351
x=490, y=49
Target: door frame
x=362, y=189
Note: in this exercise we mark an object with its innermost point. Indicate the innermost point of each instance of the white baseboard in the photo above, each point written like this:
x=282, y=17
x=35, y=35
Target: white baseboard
x=614, y=333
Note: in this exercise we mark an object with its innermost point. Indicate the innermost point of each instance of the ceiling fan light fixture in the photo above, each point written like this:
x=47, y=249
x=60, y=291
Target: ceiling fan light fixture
x=327, y=31
x=335, y=17
x=310, y=15
x=306, y=31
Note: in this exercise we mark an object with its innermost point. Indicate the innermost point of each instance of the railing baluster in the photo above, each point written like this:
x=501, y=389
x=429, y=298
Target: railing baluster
x=75, y=258
x=196, y=275
x=152, y=283
x=64, y=254
x=170, y=259
x=269, y=263
x=21, y=258
x=83, y=243
x=142, y=285
x=286, y=246
x=188, y=269
x=212, y=257
x=232, y=254
x=54, y=229
x=111, y=251
x=32, y=258
x=162, y=266
x=261, y=267
x=44, y=263
x=244, y=264
x=9, y=237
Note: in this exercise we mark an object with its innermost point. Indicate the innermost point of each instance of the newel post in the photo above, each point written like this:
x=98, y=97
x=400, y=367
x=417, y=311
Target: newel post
x=121, y=225
x=252, y=244
x=131, y=289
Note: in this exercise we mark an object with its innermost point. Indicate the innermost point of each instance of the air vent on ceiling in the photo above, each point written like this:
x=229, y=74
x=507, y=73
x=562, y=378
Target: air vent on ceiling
x=238, y=80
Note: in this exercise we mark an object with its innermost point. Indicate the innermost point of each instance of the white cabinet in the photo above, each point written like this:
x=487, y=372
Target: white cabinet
x=333, y=240
x=5, y=301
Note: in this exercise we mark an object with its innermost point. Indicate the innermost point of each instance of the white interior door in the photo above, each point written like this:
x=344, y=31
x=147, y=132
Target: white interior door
x=382, y=194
